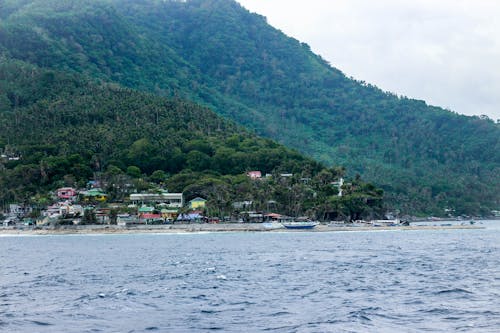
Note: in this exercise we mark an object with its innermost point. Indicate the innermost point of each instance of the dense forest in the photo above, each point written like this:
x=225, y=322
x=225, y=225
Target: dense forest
x=61, y=130
x=216, y=53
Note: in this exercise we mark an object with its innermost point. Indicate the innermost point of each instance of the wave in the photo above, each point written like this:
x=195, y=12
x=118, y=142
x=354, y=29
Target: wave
x=453, y=291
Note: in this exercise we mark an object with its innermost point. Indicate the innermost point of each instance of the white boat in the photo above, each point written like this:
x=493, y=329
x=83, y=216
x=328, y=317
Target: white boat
x=385, y=223
x=299, y=225
x=272, y=225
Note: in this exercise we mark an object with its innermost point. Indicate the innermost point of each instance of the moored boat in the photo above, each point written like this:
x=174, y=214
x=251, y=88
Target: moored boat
x=272, y=225
x=299, y=225
x=385, y=223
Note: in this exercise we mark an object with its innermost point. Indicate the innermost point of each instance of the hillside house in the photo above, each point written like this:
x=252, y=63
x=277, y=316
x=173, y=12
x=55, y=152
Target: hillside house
x=94, y=195
x=19, y=210
x=242, y=205
x=338, y=184
x=254, y=174
x=171, y=200
x=66, y=193
x=197, y=203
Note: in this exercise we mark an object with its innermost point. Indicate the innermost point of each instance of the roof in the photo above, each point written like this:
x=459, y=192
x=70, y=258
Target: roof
x=165, y=211
x=275, y=215
x=150, y=216
x=192, y=216
x=155, y=196
x=94, y=193
x=146, y=209
x=198, y=199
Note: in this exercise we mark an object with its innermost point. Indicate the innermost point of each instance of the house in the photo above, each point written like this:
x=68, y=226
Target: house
x=28, y=221
x=191, y=217
x=242, y=204
x=272, y=217
x=149, y=215
x=69, y=210
x=150, y=218
x=66, y=193
x=255, y=217
x=102, y=215
x=19, y=210
x=254, y=174
x=197, y=203
x=146, y=209
x=252, y=217
x=338, y=184
x=125, y=219
x=52, y=210
x=9, y=222
x=169, y=214
x=93, y=184
x=171, y=200
x=95, y=194
x=305, y=180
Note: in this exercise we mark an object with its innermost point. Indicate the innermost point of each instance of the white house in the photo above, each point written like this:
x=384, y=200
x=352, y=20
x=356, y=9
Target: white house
x=174, y=200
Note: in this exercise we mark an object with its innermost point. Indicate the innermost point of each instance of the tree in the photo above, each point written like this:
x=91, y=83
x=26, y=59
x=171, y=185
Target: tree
x=134, y=171
x=158, y=176
x=88, y=217
x=197, y=161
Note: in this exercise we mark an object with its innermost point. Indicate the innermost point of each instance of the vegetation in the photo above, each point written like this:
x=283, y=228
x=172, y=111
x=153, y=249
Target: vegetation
x=60, y=130
x=216, y=53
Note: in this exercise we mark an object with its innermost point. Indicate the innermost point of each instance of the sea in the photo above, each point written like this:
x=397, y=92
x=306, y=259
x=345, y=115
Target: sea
x=366, y=281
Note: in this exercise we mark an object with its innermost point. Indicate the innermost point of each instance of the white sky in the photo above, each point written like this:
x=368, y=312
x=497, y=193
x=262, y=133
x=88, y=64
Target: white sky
x=445, y=52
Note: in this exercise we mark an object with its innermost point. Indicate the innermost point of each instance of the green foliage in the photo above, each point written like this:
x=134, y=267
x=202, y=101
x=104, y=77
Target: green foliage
x=77, y=129
x=158, y=176
x=294, y=196
x=216, y=53
x=133, y=171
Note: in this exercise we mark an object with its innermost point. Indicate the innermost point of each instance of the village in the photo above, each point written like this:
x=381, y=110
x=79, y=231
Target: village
x=93, y=206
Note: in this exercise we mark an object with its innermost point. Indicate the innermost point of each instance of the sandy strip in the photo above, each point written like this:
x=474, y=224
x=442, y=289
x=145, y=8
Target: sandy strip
x=196, y=228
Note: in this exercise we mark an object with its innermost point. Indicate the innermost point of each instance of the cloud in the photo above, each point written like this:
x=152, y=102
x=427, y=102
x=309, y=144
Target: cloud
x=445, y=52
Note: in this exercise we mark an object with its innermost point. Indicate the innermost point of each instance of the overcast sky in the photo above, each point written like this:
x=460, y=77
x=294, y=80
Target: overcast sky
x=445, y=52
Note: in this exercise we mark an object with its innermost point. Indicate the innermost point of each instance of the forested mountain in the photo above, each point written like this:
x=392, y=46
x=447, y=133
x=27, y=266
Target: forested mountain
x=217, y=53
x=61, y=130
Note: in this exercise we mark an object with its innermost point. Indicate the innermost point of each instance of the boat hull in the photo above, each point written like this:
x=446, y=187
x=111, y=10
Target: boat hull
x=299, y=225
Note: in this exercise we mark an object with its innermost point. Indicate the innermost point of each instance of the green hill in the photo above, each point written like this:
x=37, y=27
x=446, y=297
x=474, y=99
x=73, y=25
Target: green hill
x=217, y=53
x=50, y=118
x=61, y=130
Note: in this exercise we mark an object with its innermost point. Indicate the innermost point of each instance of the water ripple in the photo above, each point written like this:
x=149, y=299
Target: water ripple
x=289, y=282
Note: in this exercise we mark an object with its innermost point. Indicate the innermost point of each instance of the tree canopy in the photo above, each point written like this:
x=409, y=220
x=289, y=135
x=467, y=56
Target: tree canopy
x=216, y=53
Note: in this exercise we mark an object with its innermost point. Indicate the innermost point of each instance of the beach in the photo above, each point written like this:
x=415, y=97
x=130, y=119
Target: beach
x=206, y=227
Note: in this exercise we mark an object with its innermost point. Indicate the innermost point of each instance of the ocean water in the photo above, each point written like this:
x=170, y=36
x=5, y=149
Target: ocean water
x=395, y=281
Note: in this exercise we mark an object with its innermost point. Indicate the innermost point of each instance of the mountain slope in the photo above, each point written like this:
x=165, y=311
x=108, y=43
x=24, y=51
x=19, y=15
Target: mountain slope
x=64, y=126
x=217, y=53
x=61, y=130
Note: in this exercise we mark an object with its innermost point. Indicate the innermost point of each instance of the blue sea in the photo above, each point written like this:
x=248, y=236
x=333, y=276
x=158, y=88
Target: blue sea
x=387, y=281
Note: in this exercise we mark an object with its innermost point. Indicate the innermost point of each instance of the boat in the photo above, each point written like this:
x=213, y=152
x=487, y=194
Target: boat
x=272, y=225
x=385, y=223
x=299, y=225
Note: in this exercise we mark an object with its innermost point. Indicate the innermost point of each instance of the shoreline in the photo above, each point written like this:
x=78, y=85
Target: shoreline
x=210, y=228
